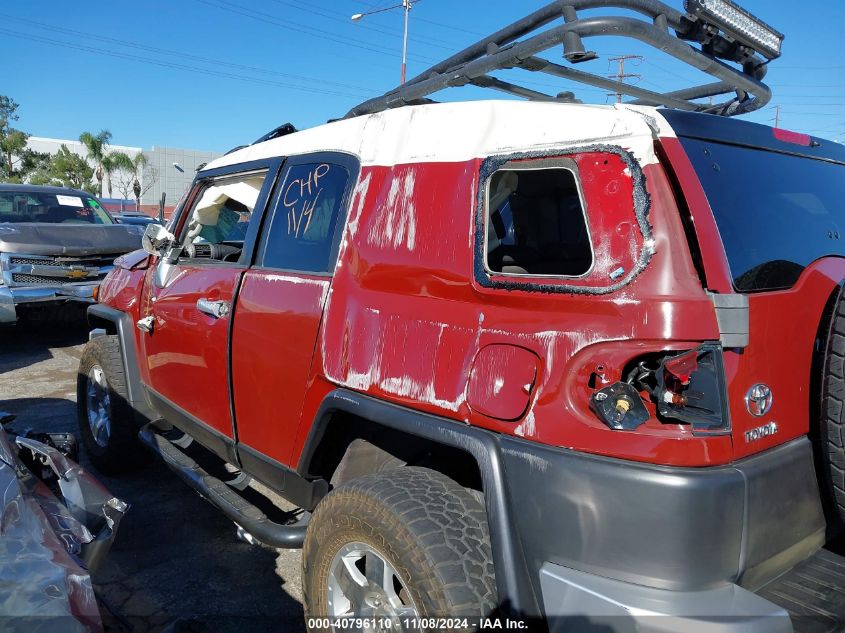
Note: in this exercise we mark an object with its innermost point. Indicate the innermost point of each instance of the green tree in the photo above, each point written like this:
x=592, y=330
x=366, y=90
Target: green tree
x=12, y=141
x=136, y=177
x=70, y=170
x=97, y=147
x=115, y=161
x=35, y=166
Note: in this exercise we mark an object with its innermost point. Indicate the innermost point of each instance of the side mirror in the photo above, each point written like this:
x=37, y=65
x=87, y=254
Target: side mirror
x=157, y=240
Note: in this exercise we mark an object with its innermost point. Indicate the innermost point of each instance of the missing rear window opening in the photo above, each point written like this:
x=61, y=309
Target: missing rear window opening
x=536, y=224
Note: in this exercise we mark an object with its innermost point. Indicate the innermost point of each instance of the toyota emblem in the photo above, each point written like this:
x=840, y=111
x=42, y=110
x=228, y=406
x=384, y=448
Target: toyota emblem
x=758, y=400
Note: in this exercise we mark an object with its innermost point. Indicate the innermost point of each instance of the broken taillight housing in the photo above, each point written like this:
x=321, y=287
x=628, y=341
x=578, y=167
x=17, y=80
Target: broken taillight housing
x=690, y=388
x=619, y=406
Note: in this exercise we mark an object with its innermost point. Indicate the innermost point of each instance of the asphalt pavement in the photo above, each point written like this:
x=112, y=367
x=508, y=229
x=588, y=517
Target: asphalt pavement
x=176, y=564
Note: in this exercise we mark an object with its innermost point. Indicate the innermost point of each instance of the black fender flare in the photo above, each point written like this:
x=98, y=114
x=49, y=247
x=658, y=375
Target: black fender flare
x=516, y=587
x=123, y=327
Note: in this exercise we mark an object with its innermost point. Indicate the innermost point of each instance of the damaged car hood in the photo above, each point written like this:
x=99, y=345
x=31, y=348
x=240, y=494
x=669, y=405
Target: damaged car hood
x=68, y=239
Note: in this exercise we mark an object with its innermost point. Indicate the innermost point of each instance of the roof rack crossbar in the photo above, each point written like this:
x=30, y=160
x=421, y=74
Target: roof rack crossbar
x=647, y=96
x=506, y=50
x=696, y=92
x=485, y=81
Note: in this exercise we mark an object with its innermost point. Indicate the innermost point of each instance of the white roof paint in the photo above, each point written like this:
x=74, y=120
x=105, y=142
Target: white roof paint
x=457, y=132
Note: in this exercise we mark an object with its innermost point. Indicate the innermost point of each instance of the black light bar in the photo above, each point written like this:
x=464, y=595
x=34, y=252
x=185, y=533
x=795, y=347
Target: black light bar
x=738, y=23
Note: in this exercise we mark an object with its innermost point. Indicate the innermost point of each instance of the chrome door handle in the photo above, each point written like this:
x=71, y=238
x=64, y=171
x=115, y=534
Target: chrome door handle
x=216, y=309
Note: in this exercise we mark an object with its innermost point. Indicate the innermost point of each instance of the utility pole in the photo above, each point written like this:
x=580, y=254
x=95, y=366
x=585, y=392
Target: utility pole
x=620, y=76
x=406, y=6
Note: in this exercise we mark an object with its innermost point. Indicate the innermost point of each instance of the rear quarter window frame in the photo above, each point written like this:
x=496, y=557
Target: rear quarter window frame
x=641, y=205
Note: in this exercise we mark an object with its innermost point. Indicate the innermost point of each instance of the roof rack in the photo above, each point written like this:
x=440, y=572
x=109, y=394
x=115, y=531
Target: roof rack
x=283, y=130
x=722, y=30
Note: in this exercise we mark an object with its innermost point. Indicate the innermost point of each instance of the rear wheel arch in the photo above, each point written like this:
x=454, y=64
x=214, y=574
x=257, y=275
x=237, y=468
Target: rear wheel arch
x=351, y=446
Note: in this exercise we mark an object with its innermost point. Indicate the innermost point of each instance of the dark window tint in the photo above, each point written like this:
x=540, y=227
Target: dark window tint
x=52, y=208
x=776, y=213
x=536, y=224
x=301, y=235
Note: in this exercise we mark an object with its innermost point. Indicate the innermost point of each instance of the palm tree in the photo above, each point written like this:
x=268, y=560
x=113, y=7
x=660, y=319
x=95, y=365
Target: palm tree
x=96, y=146
x=139, y=163
x=112, y=162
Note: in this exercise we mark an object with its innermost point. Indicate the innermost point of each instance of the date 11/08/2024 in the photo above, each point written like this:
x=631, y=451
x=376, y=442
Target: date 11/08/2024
x=410, y=624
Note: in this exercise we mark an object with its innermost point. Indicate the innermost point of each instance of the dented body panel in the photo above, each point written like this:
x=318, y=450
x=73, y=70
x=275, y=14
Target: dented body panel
x=406, y=320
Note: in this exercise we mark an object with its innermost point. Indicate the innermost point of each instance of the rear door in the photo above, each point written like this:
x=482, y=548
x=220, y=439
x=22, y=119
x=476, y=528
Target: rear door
x=779, y=211
x=281, y=302
x=189, y=303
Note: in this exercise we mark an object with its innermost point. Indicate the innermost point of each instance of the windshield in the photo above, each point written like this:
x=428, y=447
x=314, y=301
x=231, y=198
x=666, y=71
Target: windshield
x=36, y=206
x=777, y=213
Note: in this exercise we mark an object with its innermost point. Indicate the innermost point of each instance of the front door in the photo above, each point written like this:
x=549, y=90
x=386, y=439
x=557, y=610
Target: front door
x=185, y=348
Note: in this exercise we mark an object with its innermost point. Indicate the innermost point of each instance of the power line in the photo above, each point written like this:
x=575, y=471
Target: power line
x=822, y=105
x=839, y=114
x=164, y=51
x=440, y=24
x=790, y=85
x=262, y=17
x=344, y=18
x=177, y=66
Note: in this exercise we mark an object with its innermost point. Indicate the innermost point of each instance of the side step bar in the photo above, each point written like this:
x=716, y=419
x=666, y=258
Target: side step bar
x=244, y=514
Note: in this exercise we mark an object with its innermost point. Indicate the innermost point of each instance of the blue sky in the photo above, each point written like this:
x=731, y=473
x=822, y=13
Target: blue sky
x=213, y=74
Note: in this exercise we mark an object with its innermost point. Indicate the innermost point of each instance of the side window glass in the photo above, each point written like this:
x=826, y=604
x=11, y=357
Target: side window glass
x=302, y=231
x=217, y=223
x=536, y=224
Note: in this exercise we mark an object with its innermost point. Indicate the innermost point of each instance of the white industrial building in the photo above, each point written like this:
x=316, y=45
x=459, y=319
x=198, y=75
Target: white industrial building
x=176, y=167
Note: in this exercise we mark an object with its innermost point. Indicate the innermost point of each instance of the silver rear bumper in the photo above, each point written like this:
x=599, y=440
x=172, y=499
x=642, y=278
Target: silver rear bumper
x=575, y=600
x=21, y=295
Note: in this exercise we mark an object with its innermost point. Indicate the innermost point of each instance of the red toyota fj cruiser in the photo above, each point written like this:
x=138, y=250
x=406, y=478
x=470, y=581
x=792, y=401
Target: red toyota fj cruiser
x=579, y=365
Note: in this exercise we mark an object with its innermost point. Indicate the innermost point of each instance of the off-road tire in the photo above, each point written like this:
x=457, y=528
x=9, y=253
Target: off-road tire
x=123, y=452
x=430, y=529
x=831, y=435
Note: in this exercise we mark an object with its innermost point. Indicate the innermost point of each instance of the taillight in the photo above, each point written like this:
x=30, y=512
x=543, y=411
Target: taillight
x=687, y=388
x=619, y=406
x=690, y=388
